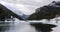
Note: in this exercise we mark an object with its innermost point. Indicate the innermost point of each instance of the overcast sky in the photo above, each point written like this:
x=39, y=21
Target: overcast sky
x=29, y=5
x=31, y=2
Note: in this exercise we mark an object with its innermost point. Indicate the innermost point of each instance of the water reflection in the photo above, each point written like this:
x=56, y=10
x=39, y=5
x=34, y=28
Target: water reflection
x=17, y=26
x=4, y=26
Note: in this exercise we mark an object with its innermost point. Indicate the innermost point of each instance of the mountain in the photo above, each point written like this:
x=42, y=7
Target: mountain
x=7, y=13
x=49, y=11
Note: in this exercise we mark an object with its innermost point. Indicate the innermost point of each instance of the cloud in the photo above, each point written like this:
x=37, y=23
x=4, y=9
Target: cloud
x=31, y=2
x=28, y=6
x=19, y=8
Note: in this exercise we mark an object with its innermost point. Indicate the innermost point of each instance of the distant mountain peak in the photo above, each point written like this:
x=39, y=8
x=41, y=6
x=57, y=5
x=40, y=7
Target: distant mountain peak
x=55, y=4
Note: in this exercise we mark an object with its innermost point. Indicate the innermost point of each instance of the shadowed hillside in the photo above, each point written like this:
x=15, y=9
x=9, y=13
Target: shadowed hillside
x=6, y=13
x=46, y=12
